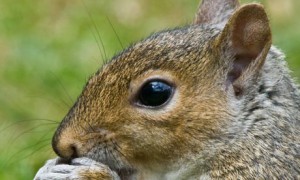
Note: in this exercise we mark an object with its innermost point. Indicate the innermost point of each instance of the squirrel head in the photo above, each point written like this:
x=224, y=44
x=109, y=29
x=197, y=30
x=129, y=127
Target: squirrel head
x=167, y=97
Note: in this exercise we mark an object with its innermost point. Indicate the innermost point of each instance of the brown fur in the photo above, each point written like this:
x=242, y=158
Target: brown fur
x=234, y=114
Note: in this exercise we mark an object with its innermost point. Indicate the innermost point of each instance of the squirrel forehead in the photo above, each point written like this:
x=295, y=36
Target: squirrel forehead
x=178, y=39
x=161, y=50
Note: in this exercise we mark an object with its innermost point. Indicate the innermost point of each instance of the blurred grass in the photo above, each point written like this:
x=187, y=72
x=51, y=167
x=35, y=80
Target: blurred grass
x=49, y=49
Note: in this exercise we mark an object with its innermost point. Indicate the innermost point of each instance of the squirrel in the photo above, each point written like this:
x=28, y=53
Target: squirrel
x=211, y=100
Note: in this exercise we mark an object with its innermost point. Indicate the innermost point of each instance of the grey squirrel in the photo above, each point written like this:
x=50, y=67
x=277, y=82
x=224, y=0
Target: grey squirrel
x=212, y=100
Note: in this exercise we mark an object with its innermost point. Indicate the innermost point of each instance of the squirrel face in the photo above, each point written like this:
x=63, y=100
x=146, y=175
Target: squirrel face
x=109, y=115
x=169, y=96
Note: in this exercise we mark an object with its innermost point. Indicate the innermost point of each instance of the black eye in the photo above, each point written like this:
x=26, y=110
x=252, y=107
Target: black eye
x=155, y=93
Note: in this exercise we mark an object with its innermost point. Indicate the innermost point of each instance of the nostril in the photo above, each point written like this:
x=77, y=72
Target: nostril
x=74, y=150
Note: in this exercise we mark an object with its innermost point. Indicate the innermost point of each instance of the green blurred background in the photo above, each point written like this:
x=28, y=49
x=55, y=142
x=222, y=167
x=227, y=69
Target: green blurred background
x=48, y=49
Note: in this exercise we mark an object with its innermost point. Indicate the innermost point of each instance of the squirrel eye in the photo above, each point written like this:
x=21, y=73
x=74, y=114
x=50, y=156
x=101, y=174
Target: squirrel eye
x=155, y=93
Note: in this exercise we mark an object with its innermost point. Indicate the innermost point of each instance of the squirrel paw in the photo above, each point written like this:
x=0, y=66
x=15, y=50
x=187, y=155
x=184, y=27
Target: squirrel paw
x=77, y=169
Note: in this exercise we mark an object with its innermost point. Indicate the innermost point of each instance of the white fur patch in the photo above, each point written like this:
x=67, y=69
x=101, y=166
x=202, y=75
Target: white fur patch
x=54, y=171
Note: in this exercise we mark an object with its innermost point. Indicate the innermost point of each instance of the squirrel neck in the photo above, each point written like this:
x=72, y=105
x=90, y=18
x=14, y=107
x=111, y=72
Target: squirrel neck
x=263, y=120
x=266, y=119
x=276, y=97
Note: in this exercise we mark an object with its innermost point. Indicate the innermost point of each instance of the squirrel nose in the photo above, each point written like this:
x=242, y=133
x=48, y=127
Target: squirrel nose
x=65, y=146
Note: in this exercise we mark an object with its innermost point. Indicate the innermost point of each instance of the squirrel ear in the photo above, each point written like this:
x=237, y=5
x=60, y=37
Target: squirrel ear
x=247, y=38
x=215, y=11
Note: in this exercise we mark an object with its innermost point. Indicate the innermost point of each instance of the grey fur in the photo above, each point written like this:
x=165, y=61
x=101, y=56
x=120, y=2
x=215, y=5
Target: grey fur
x=222, y=135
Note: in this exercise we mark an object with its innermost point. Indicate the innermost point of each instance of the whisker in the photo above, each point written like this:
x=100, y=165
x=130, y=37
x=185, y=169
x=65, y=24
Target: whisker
x=90, y=126
x=36, y=150
x=56, y=103
x=63, y=87
x=116, y=160
x=17, y=155
x=99, y=47
x=115, y=32
x=97, y=31
x=28, y=120
x=41, y=131
x=26, y=132
x=118, y=149
x=84, y=127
